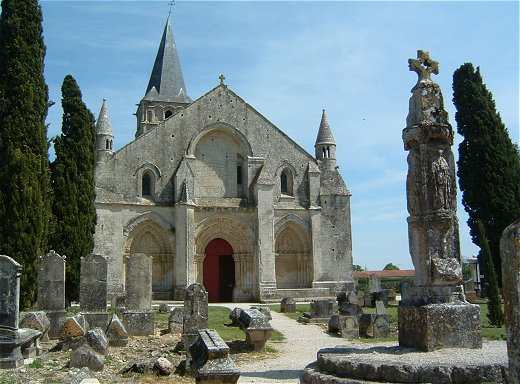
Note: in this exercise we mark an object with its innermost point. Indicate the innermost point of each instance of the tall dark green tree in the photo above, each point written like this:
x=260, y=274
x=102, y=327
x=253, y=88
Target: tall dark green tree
x=495, y=313
x=489, y=163
x=73, y=184
x=24, y=165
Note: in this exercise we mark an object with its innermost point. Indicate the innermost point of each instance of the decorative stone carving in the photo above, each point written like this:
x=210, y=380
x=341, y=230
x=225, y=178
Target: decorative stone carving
x=433, y=225
x=51, y=290
x=510, y=253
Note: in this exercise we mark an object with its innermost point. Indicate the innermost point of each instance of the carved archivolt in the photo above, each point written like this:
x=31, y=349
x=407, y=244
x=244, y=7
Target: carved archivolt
x=224, y=127
x=291, y=218
x=237, y=233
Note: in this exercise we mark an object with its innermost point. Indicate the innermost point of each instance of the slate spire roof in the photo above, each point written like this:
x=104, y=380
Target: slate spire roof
x=166, y=81
x=103, y=126
x=325, y=134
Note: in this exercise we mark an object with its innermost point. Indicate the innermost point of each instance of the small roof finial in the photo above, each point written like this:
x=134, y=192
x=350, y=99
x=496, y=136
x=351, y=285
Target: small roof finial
x=222, y=78
x=424, y=66
x=171, y=4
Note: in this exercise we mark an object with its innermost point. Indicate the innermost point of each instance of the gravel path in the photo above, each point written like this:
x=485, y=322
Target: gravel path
x=299, y=349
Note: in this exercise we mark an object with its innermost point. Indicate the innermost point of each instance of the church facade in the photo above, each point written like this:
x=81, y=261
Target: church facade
x=216, y=194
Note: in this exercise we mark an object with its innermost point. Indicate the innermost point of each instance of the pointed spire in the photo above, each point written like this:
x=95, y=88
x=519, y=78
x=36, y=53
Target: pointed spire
x=325, y=134
x=166, y=75
x=103, y=126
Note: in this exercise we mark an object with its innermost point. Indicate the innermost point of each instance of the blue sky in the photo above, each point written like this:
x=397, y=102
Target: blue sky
x=289, y=60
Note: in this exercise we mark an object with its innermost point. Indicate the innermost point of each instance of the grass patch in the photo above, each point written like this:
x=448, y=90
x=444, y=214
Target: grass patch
x=36, y=364
x=488, y=331
x=218, y=316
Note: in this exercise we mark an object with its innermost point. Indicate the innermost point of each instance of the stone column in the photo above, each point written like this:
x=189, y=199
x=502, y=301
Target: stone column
x=51, y=290
x=185, y=248
x=438, y=298
x=265, y=240
x=93, y=290
x=199, y=268
x=510, y=253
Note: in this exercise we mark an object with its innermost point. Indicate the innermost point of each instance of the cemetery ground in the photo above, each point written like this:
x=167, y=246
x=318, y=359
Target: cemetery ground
x=51, y=367
x=287, y=353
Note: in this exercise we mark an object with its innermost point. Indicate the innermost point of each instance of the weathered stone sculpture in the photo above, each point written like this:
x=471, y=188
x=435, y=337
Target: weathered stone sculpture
x=15, y=343
x=510, y=253
x=51, y=291
x=93, y=290
x=438, y=298
x=195, y=317
x=138, y=317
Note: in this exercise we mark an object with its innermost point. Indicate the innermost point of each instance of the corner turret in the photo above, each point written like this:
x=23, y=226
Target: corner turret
x=104, y=136
x=325, y=146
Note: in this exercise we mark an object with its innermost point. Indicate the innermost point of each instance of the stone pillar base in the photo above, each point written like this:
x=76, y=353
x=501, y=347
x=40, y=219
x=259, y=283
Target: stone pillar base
x=97, y=319
x=139, y=323
x=435, y=326
x=56, y=318
x=267, y=291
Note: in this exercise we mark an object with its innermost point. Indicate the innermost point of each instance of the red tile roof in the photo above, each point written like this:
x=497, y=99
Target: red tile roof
x=385, y=274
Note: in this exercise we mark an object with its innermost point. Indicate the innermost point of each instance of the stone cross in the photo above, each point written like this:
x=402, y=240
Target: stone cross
x=424, y=66
x=93, y=283
x=10, y=272
x=510, y=254
x=51, y=282
x=139, y=282
x=222, y=78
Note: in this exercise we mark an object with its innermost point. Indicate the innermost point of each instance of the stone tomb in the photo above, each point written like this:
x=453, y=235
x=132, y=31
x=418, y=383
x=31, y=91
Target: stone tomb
x=15, y=344
x=510, y=253
x=211, y=360
x=321, y=311
x=195, y=317
x=255, y=325
x=287, y=305
x=51, y=291
x=138, y=317
x=93, y=290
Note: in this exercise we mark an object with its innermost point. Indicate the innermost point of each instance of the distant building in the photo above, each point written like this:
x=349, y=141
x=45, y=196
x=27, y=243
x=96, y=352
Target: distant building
x=217, y=194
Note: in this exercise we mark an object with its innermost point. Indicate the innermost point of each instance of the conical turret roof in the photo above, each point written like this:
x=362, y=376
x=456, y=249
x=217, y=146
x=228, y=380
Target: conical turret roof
x=103, y=126
x=325, y=134
x=166, y=81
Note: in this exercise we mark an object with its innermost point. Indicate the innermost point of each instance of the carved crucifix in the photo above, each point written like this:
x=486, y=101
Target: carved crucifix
x=424, y=66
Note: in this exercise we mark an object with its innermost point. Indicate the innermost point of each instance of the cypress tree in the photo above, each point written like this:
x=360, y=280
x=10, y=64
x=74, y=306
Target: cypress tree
x=495, y=314
x=73, y=185
x=24, y=165
x=489, y=163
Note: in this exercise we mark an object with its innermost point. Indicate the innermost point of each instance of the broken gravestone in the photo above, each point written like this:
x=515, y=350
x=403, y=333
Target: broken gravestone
x=93, y=290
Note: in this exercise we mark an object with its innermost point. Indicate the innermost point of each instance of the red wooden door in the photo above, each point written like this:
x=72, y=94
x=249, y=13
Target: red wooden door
x=212, y=276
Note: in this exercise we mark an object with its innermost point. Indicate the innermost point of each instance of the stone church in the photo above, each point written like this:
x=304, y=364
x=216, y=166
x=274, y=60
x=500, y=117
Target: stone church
x=216, y=194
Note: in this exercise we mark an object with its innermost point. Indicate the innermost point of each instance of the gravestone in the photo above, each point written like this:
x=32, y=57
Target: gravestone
x=347, y=304
x=175, y=319
x=15, y=343
x=510, y=253
x=380, y=308
x=139, y=317
x=93, y=290
x=437, y=298
x=51, y=291
x=195, y=317
x=374, y=283
x=287, y=305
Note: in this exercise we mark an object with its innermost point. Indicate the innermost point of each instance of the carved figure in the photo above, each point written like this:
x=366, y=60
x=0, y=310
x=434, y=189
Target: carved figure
x=441, y=182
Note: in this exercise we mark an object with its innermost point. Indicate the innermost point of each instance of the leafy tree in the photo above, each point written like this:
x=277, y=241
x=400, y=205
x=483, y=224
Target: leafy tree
x=357, y=268
x=495, y=314
x=391, y=267
x=24, y=166
x=73, y=184
x=489, y=163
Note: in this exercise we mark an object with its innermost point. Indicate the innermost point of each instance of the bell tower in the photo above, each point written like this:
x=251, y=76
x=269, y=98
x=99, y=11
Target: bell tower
x=166, y=92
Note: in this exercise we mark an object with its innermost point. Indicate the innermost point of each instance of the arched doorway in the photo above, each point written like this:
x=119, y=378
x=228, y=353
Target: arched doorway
x=219, y=271
x=293, y=261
